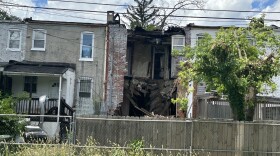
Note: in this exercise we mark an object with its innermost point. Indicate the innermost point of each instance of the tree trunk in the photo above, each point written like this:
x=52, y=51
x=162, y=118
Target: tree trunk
x=236, y=101
x=250, y=101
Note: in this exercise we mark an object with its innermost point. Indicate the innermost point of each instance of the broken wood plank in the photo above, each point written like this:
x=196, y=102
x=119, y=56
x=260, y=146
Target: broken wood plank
x=140, y=109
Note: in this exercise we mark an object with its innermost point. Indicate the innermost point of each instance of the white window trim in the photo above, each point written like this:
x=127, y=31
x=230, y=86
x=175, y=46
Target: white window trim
x=81, y=46
x=200, y=35
x=91, y=86
x=33, y=37
x=8, y=44
x=179, y=37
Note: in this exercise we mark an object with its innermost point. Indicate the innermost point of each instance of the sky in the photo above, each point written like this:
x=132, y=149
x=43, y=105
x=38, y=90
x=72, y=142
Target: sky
x=41, y=14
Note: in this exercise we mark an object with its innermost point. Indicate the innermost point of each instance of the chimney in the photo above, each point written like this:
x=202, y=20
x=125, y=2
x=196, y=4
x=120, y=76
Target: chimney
x=110, y=17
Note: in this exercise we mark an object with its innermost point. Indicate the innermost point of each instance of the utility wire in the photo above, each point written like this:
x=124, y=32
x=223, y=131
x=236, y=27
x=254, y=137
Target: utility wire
x=65, y=15
x=60, y=14
x=124, y=5
x=177, y=16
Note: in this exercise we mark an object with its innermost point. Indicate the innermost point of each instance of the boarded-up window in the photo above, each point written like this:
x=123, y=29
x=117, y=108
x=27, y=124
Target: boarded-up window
x=85, y=87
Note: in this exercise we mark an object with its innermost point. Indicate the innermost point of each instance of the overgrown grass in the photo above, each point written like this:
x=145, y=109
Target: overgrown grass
x=91, y=148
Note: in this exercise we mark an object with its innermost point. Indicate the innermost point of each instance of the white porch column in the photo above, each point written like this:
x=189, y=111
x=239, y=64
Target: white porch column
x=59, y=98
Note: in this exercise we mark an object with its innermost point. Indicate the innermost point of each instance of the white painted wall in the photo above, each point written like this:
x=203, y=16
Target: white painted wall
x=52, y=129
x=68, y=87
x=44, y=86
x=5, y=54
x=196, y=31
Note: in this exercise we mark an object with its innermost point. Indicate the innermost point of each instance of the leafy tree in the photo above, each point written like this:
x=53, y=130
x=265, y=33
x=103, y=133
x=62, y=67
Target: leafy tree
x=237, y=63
x=149, y=16
x=10, y=125
x=4, y=15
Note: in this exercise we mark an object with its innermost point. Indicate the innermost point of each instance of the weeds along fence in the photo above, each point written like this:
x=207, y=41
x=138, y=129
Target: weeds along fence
x=192, y=136
x=160, y=135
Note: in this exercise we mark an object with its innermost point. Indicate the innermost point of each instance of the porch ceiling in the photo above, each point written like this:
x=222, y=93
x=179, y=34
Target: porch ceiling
x=38, y=69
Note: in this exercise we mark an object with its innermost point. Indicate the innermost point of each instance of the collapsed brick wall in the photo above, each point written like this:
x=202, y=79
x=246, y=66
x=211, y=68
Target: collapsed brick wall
x=116, y=66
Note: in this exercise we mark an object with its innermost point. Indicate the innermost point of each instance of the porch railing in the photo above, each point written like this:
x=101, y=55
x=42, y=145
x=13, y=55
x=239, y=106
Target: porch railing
x=32, y=107
x=214, y=108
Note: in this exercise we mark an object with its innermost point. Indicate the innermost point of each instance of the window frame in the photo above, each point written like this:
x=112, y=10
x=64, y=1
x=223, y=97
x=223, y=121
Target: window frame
x=33, y=39
x=251, y=40
x=33, y=83
x=199, y=37
x=176, y=37
x=79, y=87
x=81, y=46
x=9, y=39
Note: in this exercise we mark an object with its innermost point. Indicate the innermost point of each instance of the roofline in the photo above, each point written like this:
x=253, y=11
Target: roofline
x=12, y=22
x=192, y=25
x=66, y=23
x=51, y=64
x=30, y=74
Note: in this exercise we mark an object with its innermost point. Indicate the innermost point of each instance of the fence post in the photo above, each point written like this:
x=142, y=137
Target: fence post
x=239, y=139
x=74, y=127
x=191, y=138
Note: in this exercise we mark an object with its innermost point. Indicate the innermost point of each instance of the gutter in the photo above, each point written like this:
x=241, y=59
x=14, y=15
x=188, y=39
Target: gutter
x=30, y=74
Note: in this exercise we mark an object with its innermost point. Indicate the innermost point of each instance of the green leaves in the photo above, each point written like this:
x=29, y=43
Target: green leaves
x=236, y=60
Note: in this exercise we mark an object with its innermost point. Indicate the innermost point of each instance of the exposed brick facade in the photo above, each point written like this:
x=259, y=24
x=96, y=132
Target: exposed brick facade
x=116, y=66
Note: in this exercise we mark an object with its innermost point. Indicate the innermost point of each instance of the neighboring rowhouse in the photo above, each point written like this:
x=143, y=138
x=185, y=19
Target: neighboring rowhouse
x=66, y=60
x=12, y=45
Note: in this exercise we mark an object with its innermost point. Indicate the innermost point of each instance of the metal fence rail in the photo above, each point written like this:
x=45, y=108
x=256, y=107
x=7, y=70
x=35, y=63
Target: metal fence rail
x=213, y=108
x=25, y=128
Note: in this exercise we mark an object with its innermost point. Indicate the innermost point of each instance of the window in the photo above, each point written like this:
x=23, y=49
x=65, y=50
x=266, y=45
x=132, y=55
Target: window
x=30, y=83
x=14, y=42
x=87, y=44
x=85, y=87
x=199, y=38
x=178, y=42
x=39, y=39
x=252, y=41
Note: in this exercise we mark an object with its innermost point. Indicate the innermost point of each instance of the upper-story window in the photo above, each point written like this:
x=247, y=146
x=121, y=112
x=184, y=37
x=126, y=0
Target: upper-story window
x=251, y=41
x=14, y=42
x=199, y=38
x=39, y=39
x=178, y=42
x=87, y=46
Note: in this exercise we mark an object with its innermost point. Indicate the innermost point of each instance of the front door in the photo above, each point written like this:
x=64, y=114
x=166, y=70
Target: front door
x=53, y=89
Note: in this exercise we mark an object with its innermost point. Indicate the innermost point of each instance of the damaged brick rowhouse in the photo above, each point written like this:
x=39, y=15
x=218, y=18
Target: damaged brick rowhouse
x=151, y=72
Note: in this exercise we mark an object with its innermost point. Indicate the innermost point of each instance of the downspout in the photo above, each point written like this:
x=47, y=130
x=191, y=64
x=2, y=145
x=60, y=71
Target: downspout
x=105, y=79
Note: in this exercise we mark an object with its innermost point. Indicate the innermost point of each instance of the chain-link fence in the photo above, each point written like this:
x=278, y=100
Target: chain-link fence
x=36, y=128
